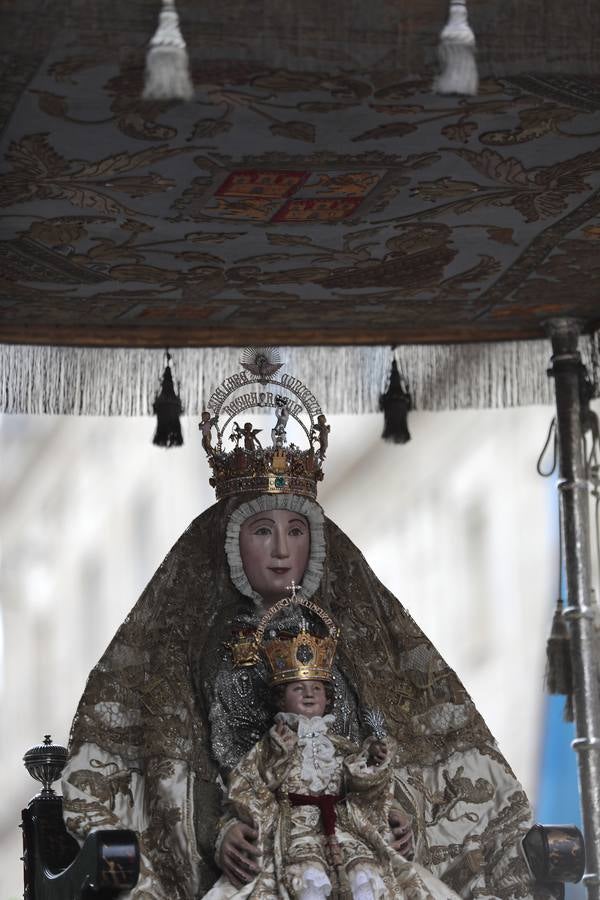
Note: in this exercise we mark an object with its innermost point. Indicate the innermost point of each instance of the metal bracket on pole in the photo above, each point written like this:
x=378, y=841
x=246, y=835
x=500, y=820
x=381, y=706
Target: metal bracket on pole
x=569, y=372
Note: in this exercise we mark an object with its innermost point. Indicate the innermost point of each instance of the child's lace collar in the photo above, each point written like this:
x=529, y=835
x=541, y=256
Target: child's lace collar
x=305, y=726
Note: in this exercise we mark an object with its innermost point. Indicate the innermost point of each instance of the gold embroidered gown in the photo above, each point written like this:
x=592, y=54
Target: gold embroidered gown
x=140, y=747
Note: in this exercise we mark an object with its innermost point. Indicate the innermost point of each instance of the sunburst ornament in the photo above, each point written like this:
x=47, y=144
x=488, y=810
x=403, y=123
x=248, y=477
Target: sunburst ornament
x=261, y=361
x=375, y=722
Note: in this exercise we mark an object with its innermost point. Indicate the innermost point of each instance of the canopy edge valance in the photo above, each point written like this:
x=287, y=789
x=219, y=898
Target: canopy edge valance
x=123, y=381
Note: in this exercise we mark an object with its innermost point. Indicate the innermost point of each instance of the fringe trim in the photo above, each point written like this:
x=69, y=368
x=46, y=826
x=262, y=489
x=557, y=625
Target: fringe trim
x=123, y=381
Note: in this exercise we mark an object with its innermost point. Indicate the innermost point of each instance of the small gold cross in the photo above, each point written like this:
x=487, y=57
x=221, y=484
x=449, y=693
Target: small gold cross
x=293, y=588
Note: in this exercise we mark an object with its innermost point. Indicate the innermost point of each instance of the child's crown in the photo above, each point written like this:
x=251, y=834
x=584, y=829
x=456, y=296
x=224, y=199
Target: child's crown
x=302, y=656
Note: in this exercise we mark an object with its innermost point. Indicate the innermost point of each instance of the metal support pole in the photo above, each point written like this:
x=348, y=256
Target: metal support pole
x=567, y=370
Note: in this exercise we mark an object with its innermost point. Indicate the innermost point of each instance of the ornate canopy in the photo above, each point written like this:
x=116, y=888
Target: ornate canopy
x=316, y=191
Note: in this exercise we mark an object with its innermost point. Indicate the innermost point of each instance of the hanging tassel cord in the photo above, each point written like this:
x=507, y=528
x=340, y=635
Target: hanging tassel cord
x=396, y=403
x=456, y=52
x=559, y=671
x=167, y=75
x=551, y=436
x=168, y=408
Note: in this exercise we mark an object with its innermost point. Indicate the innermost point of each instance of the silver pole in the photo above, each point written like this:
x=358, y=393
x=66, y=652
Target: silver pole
x=567, y=370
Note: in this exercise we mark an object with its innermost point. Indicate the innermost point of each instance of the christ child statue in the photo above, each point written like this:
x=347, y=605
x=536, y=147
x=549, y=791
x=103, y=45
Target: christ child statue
x=318, y=804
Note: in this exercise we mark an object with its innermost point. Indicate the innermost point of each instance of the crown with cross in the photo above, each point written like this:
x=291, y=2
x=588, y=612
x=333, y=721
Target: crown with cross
x=297, y=657
x=289, y=657
x=254, y=465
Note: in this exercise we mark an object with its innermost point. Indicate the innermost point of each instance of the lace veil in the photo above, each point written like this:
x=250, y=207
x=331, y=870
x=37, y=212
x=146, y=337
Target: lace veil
x=140, y=745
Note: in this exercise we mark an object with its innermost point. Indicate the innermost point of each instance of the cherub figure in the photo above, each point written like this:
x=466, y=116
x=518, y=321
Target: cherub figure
x=248, y=434
x=321, y=433
x=206, y=426
x=282, y=413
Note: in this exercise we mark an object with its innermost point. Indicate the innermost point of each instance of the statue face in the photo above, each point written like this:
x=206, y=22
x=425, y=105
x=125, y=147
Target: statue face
x=306, y=698
x=274, y=546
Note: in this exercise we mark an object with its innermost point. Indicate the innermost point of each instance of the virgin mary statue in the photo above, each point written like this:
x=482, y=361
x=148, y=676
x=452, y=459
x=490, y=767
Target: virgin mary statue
x=179, y=696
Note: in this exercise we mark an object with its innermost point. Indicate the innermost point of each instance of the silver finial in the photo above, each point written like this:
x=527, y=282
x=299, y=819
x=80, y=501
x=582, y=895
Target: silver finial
x=45, y=763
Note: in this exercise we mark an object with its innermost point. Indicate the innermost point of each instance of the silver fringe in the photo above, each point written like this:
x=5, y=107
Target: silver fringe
x=123, y=381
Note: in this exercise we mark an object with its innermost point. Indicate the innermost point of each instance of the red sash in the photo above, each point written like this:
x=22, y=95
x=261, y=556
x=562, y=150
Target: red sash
x=326, y=804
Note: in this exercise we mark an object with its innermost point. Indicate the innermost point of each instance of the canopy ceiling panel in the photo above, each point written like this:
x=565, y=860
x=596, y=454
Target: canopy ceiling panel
x=315, y=191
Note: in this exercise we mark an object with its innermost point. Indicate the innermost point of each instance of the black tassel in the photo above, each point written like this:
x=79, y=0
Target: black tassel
x=559, y=674
x=396, y=404
x=167, y=407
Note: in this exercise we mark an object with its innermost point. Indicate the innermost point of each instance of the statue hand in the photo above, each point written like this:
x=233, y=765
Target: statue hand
x=285, y=734
x=402, y=833
x=377, y=754
x=237, y=852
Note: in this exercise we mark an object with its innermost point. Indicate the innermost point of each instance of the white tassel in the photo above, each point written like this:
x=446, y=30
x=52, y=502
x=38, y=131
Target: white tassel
x=167, y=67
x=457, y=54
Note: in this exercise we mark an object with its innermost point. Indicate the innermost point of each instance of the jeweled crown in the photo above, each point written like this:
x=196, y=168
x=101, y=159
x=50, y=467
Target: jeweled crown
x=244, y=649
x=299, y=657
x=279, y=467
